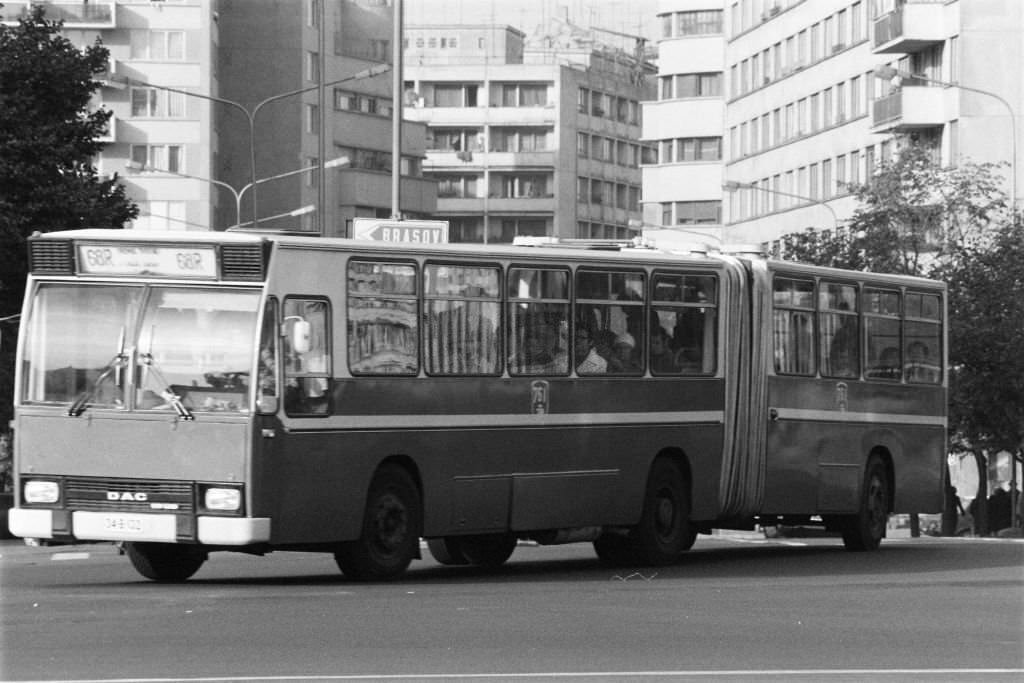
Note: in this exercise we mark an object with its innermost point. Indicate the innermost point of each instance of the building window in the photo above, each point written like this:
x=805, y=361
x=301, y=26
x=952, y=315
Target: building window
x=158, y=45
x=702, y=22
x=312, y=116
x=156, y=103
x=162, y=215
x=158, y=157
x=698, y=85
x=698, y=213
x=313, y=67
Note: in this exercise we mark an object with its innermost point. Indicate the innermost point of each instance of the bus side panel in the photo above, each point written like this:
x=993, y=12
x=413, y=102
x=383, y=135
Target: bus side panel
x=486, y=461
x=825, y=431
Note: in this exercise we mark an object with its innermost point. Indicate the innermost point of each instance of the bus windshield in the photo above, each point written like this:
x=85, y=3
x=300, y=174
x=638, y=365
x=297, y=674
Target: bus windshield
x=195, y=345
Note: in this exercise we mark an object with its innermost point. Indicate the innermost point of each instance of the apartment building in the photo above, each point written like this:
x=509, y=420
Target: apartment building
x=807, y=113
x=682, y=187
x=185, y=78
x=528, y=141
x=804, y=112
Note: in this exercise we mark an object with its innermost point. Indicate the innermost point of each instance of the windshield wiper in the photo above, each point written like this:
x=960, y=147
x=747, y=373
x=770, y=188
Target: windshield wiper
x=115, y=364
x=82, y=402
x=167, y=394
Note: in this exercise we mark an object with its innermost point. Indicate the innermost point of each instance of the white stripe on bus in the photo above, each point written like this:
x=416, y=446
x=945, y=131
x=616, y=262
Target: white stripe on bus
x=807, y=415
x=517, y=420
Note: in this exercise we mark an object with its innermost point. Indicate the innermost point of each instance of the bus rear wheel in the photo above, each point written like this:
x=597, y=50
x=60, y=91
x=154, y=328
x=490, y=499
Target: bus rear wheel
x=665, y=530
x=866, y=529
x=165, y=562
x=447, y=550
x=390, y=537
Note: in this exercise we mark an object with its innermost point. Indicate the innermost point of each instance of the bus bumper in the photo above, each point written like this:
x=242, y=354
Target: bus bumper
x=99, y=526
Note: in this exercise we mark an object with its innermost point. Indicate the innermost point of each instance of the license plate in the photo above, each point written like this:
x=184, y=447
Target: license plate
x=113, y=526
x=124, y=524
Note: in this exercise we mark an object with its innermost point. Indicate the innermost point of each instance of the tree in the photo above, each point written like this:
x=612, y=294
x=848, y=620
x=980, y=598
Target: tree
x=48, y=140
x=913, y=213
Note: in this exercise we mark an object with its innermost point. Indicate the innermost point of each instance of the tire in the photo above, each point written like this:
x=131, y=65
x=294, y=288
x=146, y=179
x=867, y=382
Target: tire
x=489, y=550
x=664, y=531
x=447, y=551
x=390, y=538
x=865, y=530
x=614, y=550
x=165, y=562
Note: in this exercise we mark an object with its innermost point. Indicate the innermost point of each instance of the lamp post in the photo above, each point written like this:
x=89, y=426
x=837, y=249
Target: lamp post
x=733, y=185
x=237, y=194
x=301, y=211
x=250, y=115
x=888, y=73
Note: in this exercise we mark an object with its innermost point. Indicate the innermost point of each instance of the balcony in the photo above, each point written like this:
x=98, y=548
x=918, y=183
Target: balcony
x=479, y=205
x=909, y=108
x=910, y=28
x=92, y=14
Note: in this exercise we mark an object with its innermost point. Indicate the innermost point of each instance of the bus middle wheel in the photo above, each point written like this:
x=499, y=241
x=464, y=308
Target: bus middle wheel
x=664, y=531
x=391, y=529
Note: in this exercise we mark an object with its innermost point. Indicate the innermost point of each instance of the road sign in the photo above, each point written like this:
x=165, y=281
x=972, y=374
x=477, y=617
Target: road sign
x=392, y=230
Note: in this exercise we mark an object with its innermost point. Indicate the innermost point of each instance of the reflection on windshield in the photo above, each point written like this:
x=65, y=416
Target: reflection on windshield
x=193, y=348
x=196, y=345
x=74, y=332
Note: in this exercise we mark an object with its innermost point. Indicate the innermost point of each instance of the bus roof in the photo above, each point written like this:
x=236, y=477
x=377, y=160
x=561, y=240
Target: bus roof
x=572, y=250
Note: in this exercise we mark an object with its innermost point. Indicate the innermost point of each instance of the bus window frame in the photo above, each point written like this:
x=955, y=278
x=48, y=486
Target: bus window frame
x=327, y=374
x=639, y=345
x=937, y=322
x=873, y=370
x=416, y=297
x=508, y=334
x=857, y=315
x=425, y=329
x=684, y=305
x=812, y=309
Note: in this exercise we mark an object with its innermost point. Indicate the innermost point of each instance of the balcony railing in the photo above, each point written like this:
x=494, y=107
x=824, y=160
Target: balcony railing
x=81, y=14
x=910, y=27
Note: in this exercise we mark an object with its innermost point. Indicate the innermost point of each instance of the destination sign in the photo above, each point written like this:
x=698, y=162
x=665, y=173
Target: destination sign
x=416, y=232
x=193, y=261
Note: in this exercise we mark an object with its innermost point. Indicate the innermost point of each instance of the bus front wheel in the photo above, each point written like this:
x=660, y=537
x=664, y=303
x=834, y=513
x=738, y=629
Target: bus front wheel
x=165, y=562
x=866, y=529
x=390, y=535
x=665, y=530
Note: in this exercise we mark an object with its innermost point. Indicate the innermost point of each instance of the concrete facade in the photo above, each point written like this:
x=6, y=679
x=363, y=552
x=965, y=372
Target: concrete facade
x=527, y=141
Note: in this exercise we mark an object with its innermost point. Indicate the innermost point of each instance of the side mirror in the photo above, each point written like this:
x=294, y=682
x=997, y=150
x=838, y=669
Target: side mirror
x=301, y=336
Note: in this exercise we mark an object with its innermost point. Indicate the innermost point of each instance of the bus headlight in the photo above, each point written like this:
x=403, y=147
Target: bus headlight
x=41, y=492
x=222, y=499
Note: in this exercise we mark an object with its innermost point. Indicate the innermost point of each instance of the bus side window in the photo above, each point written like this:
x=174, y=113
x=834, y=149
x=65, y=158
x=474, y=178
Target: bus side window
x=683, y=324
x=922, y=334
x=882, y=309
x=267, y=386
x=383, y=332
x=307, y=372
x=793, y=326
x=461, y=314
x=838, y=325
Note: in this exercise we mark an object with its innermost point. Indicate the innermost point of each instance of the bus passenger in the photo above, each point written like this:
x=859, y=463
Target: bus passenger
x=623, y=359
x=540, y=354
x=588, y=361
x=663, y=359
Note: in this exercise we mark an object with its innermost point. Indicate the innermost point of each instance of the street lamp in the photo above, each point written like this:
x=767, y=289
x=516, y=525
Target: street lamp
x=301, y=211
x=734, y=185
x=237, y=194
x=888, y=73
x=251, y=114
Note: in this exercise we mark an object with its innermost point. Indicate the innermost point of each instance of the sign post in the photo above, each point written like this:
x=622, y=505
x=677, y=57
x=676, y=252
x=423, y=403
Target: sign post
x=396, y=230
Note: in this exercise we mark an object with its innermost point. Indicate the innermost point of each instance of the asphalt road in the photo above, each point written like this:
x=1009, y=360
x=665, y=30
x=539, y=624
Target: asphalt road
x=739, y=607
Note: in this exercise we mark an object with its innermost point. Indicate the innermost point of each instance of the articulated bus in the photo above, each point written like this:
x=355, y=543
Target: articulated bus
x=187, y=393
